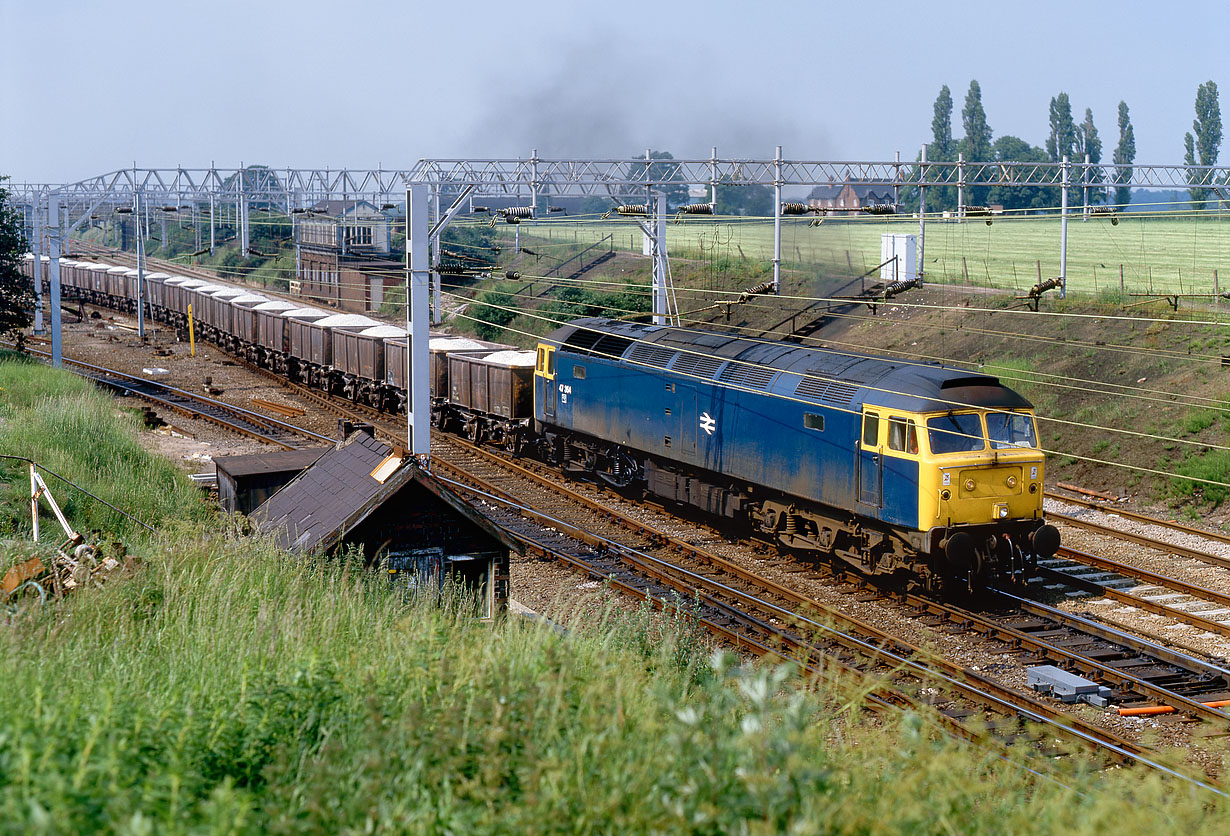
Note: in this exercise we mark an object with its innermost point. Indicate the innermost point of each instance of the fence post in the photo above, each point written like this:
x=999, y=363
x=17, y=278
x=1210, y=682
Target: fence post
x=1122, y=290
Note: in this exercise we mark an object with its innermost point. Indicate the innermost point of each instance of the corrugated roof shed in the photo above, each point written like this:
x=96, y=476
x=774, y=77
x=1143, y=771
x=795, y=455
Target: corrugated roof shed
x=276, y=462
x=338, y=492
x=317, y=503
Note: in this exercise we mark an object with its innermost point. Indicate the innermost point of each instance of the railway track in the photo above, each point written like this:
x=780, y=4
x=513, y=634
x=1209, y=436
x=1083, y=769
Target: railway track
x=228, y=416
x=764, y=617
x=1114, y=510
x=781, y=623
x=1138, y=671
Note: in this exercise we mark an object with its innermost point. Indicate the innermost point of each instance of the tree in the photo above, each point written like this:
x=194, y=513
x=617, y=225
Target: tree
x=1088, y=144
x=1062, y=140
x=942, y=148
x=751, y=200
x=941, y=127
x=16, y=290
x=976, y=145
x=1125, y=155
x=666, y=174
x=1011, y=149
x=1203, y=147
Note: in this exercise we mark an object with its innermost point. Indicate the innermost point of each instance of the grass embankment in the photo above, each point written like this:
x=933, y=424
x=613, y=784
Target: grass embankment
x=1172, y=253
x=227, y=687
x=78, y=432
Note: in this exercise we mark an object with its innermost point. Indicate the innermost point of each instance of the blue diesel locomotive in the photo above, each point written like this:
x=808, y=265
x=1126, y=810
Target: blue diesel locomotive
x=922, y=470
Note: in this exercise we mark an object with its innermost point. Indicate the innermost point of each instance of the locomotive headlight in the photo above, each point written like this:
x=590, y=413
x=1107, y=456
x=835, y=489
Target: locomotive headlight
x=1001, y=512
x=1012, y=481
x=969, y=484
x=945, y=495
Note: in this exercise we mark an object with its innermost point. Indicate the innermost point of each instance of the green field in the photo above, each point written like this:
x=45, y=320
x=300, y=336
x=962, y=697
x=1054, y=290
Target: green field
x=1176, y=253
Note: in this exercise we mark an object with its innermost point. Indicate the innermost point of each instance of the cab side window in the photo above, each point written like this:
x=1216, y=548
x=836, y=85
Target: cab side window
x=902, y=435
x=871, y=429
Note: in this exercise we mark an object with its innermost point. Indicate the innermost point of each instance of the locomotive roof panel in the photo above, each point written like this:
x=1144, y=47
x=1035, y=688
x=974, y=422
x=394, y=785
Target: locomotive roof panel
x=836, y=378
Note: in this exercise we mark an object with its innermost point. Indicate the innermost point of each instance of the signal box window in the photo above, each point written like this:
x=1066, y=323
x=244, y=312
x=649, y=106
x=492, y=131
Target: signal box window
x=871, y=429
x=902, y=435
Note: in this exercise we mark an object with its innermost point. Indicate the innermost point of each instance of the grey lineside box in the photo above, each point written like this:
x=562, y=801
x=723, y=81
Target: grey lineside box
x=1065, y=686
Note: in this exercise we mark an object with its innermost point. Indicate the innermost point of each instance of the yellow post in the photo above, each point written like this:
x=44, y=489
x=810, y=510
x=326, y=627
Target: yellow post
x=191, y=333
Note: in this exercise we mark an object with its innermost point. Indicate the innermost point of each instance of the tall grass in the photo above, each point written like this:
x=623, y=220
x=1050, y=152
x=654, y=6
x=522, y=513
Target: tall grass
x=231, y=688
x=74, y=430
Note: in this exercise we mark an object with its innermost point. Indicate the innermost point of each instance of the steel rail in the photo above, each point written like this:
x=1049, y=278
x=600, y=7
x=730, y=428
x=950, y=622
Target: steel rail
x=1107, y=508
x=99, y=374
x=1143, y=540
x=959, y=678
x=1144, y=575
x=1109, y=633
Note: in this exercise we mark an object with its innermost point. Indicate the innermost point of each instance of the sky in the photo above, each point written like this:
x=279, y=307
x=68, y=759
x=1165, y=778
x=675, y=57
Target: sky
x=91, y=87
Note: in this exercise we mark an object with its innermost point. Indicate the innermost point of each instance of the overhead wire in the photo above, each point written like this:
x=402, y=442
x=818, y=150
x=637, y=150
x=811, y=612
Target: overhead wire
x=882, y=390
x=1150, y=436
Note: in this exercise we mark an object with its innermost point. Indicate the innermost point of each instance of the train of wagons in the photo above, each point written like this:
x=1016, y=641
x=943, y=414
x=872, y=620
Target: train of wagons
x=929, y=473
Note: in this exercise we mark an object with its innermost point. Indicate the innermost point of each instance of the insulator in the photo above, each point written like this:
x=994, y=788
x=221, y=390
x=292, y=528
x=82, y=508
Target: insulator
x=880, y=209
x=977, y=211
x=384, y=207
x=475, y=210
x=1112, y=211
x=169, y=208
x=899, y=287
x=555, y=209
x=516, y=214
x=451, y=269
x=512, y=274
x=633, y=209
x=1043, y=286
x=698, y=209
x=796, y=209
x=763, y=287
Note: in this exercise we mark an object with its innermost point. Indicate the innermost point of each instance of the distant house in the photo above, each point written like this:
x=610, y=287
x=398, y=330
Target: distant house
x=343, y=251
x=850, y=196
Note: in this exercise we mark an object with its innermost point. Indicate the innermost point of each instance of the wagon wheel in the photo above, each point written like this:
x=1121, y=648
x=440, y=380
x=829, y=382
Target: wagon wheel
x=25, y=599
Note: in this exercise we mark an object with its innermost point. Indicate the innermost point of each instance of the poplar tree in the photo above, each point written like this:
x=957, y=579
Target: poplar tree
x=1125, y=155
x=1202, y=145
x=942, y=147
x=977, y=142
x=1090, y=145
x=1062, y=140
